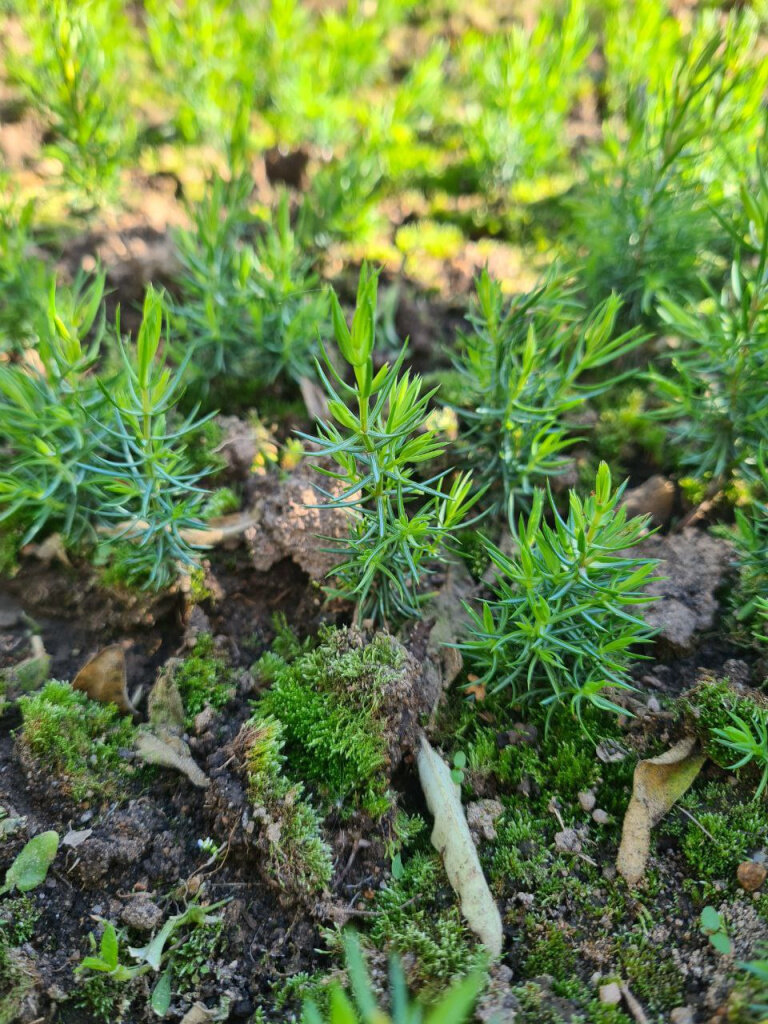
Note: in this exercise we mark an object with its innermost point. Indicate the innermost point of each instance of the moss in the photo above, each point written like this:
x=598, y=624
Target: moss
x=549, y=953
x=192, y=959
x=626, y=426
x=220, y=502
x=417, y=917
x=540, y=1005
x=299, y=858
x=18, y=918
x=652, y=976
x=77, y=739
x=103, y=998
x=204, y=678
x=709, y=707
x=330, y=703
x=736, y=829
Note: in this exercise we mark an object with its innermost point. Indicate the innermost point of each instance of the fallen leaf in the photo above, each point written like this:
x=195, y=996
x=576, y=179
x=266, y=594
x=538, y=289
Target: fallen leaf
x=169, y=751
x=452, y=839
x=50, y=550
x=103, y=678
x=76, y=837
x=31, y=866
x=198, y=1014
x=165, y=707
x=659, y=783
x=476, y=690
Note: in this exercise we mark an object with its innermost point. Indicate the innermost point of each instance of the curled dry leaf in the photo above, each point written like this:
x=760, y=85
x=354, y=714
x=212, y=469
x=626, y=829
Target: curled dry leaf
x=452, y=839
x=659, y=783
x=169, y=751
x=103, y=678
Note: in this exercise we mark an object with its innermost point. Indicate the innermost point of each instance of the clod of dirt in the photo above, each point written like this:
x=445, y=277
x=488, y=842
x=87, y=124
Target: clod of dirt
x=242, y=442
x=141, y=914
x=481, y=818
x=694, y=566
x=290, y=525
x=655, y=497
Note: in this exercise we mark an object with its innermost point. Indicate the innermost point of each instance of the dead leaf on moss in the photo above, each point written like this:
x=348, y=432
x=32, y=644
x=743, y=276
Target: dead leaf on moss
x=165, y=707
x=659, y=783
x=169, y=751
x=104, y=679
x=50, y=550
x=452, y=839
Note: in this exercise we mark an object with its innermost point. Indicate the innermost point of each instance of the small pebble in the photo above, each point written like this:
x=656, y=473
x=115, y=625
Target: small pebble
x=600, y=816
x=751, y=875
x=681, y=1015
x=610, y=994
x=587, y=800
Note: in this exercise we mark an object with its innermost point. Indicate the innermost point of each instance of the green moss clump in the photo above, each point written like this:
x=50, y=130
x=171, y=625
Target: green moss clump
x=299, y=858
x=416, y=916
x=18, y=918
x=204, y=678
x=220, y=502
x=736, y=829
x=77, y=739
x=330, y=701
x=709, y=707
x=652, y=976
x=549, y=953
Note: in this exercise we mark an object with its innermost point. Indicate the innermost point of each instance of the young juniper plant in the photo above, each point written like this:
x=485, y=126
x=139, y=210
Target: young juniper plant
x=399, y=524
x=560, y=624
x=522, y=371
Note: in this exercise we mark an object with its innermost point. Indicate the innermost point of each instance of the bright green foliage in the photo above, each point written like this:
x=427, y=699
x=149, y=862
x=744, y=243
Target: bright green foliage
x=522, y=371
x=18, y=917
x=97, y=453
x=24, y=278
x=713, y=926
x=748, y=739
x=203, y=678
x=76, y=76
x=453, y=1007
x=30, y=868
x=717, y=389
x=330, y=702
x=204, y=53
x=687, y=117
x=524, y=85
x=77, y=739
x=439, y=946
x=150, y=487
x=560, y=624
x=758, y=969
x=52, y=419
x=751, y=540
x=250, y=309
x=378, y=448
x=627, y=429
x=299, y=858
x=734, y=829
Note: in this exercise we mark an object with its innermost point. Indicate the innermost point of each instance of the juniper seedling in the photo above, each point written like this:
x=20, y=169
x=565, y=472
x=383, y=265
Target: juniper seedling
x=151, y=491
x=453, y=1007
x=52, y=422
x=250, y=305
x=561, y=621
x=76, y=75
x=717, y=390
x=399, y=524
x=522, y=369
x=684, y=125
x=749, y=741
